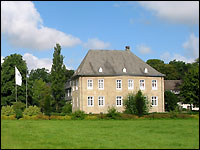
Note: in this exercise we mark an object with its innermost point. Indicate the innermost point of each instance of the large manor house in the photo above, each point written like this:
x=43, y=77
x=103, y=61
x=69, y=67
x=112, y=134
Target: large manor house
x=105, y=77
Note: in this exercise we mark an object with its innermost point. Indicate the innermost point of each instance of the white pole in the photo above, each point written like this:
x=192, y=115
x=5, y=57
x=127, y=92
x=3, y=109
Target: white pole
x=26, y=89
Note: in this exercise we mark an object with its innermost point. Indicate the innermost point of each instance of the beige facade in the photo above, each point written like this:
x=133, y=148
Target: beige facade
x=80, y=92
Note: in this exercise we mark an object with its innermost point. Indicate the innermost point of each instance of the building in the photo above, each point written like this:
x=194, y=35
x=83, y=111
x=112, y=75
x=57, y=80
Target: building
x=174, y=87
x=105, y=77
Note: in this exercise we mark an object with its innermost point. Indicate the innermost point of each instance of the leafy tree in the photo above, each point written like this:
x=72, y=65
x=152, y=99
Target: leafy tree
x=68, y=74
x=8, y=90
x=39, y=74
x=58, y=79
x=156, y=64
x=190, y=86
x=136, y=104
x=171, y=72
x=170, y=101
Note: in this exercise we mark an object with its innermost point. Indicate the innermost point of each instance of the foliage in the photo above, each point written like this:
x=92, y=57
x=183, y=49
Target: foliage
x=32, y=110
x=11, y=117
x=68, y=74
x=7, y=110
x=190, y=87
x=78, y=115
x=19, y=113
x=38, y=74
x=112, y=113
x=19, y=105
x=8, y=90
x=58, y=79
x=170, y=101
x=47, y=105
x=136, y=104
x=67, y=109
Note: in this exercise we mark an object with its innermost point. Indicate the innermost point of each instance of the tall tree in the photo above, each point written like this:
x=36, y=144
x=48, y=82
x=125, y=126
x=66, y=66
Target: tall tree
x=39, y=74
x=170, y=101
x=58, y=79
x=8, y=90
x=190, y=87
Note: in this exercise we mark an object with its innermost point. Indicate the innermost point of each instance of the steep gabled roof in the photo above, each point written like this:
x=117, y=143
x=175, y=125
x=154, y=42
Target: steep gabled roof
x=112, y=63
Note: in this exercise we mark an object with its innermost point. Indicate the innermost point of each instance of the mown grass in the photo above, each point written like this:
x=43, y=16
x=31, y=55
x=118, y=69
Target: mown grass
x=100, y=134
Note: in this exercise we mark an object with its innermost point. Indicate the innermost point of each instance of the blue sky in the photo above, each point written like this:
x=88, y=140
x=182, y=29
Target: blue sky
x=153, y=30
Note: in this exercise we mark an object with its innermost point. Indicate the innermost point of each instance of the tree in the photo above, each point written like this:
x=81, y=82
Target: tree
x=39, y=74
x=58, y=79
x=136, y=104
x=68, y=74
x=170, y=101
x=156, y=64
x=190, y=87
x=8, y=90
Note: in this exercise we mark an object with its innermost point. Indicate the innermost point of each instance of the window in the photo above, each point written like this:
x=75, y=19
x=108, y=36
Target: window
x=89, y=84
x=101, y=100
x=154, y=84
x=124, y=70
x=100, y=69
x=90, y=101
x=101, y=84
x=130, y=84
x=142, y=84
x=119, y=84
x=154, y=100
x=77, y=101
x=76, y=84
x=119, y=100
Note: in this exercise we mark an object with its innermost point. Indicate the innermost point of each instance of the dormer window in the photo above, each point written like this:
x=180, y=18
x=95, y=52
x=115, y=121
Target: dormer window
x=100, y=69
x=145, y=70
x=124, y=70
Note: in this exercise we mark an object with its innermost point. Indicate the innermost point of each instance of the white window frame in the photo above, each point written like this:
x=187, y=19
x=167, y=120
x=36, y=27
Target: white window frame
x=117, y=87
x=88, y=87
x=132, y=87
x=142, y=88
x=92, y=101
x=155, y=99
x=101, y=88
x=156, y=87
x=119, y=99
x=101, y=99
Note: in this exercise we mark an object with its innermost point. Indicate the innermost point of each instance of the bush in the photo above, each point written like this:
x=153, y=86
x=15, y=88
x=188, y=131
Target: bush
x=10, y=117
x=170, y=101
x=7, y=110
x=136, y=104
x=91, y=117
x=57, y=114
x=67, y=109
x=19, y=105
x=32, y=110
x=78, y=115
x=19, y=113
x=112, y=113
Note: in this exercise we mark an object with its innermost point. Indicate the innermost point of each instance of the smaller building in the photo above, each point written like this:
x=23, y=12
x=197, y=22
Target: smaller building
x=174, y=87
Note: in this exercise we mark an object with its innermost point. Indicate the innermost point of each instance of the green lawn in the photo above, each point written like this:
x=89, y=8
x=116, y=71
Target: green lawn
x=91, y=134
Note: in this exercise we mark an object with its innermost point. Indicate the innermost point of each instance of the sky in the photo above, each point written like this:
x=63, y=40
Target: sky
x=165, y=30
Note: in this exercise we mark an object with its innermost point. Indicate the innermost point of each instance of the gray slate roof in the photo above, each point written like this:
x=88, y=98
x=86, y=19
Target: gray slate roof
x=112, y=63
x=172, y=84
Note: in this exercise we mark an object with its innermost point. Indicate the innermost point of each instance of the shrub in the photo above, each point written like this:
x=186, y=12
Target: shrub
x=67, y=109
x=57, y=114
x=78, y=115
x=91, y=117
x=19, y=113
x=136, y=104
x=11, y=117
x=19, y=105
x=112, y=113
x=32, y=110
x=7, y=110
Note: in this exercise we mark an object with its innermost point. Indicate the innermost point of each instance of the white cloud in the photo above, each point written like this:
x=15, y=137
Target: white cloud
x=186, y=12
x=192, y=46
x=33, y=62
x=95, y=43
x=2, y=59
x=23, y=27
x=143, y=49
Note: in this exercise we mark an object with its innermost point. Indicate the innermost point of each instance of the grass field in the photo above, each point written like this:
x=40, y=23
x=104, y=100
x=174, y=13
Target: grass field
x=92, y=134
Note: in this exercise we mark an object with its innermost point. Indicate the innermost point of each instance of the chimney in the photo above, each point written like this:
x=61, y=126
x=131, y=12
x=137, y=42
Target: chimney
x=127, y=48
